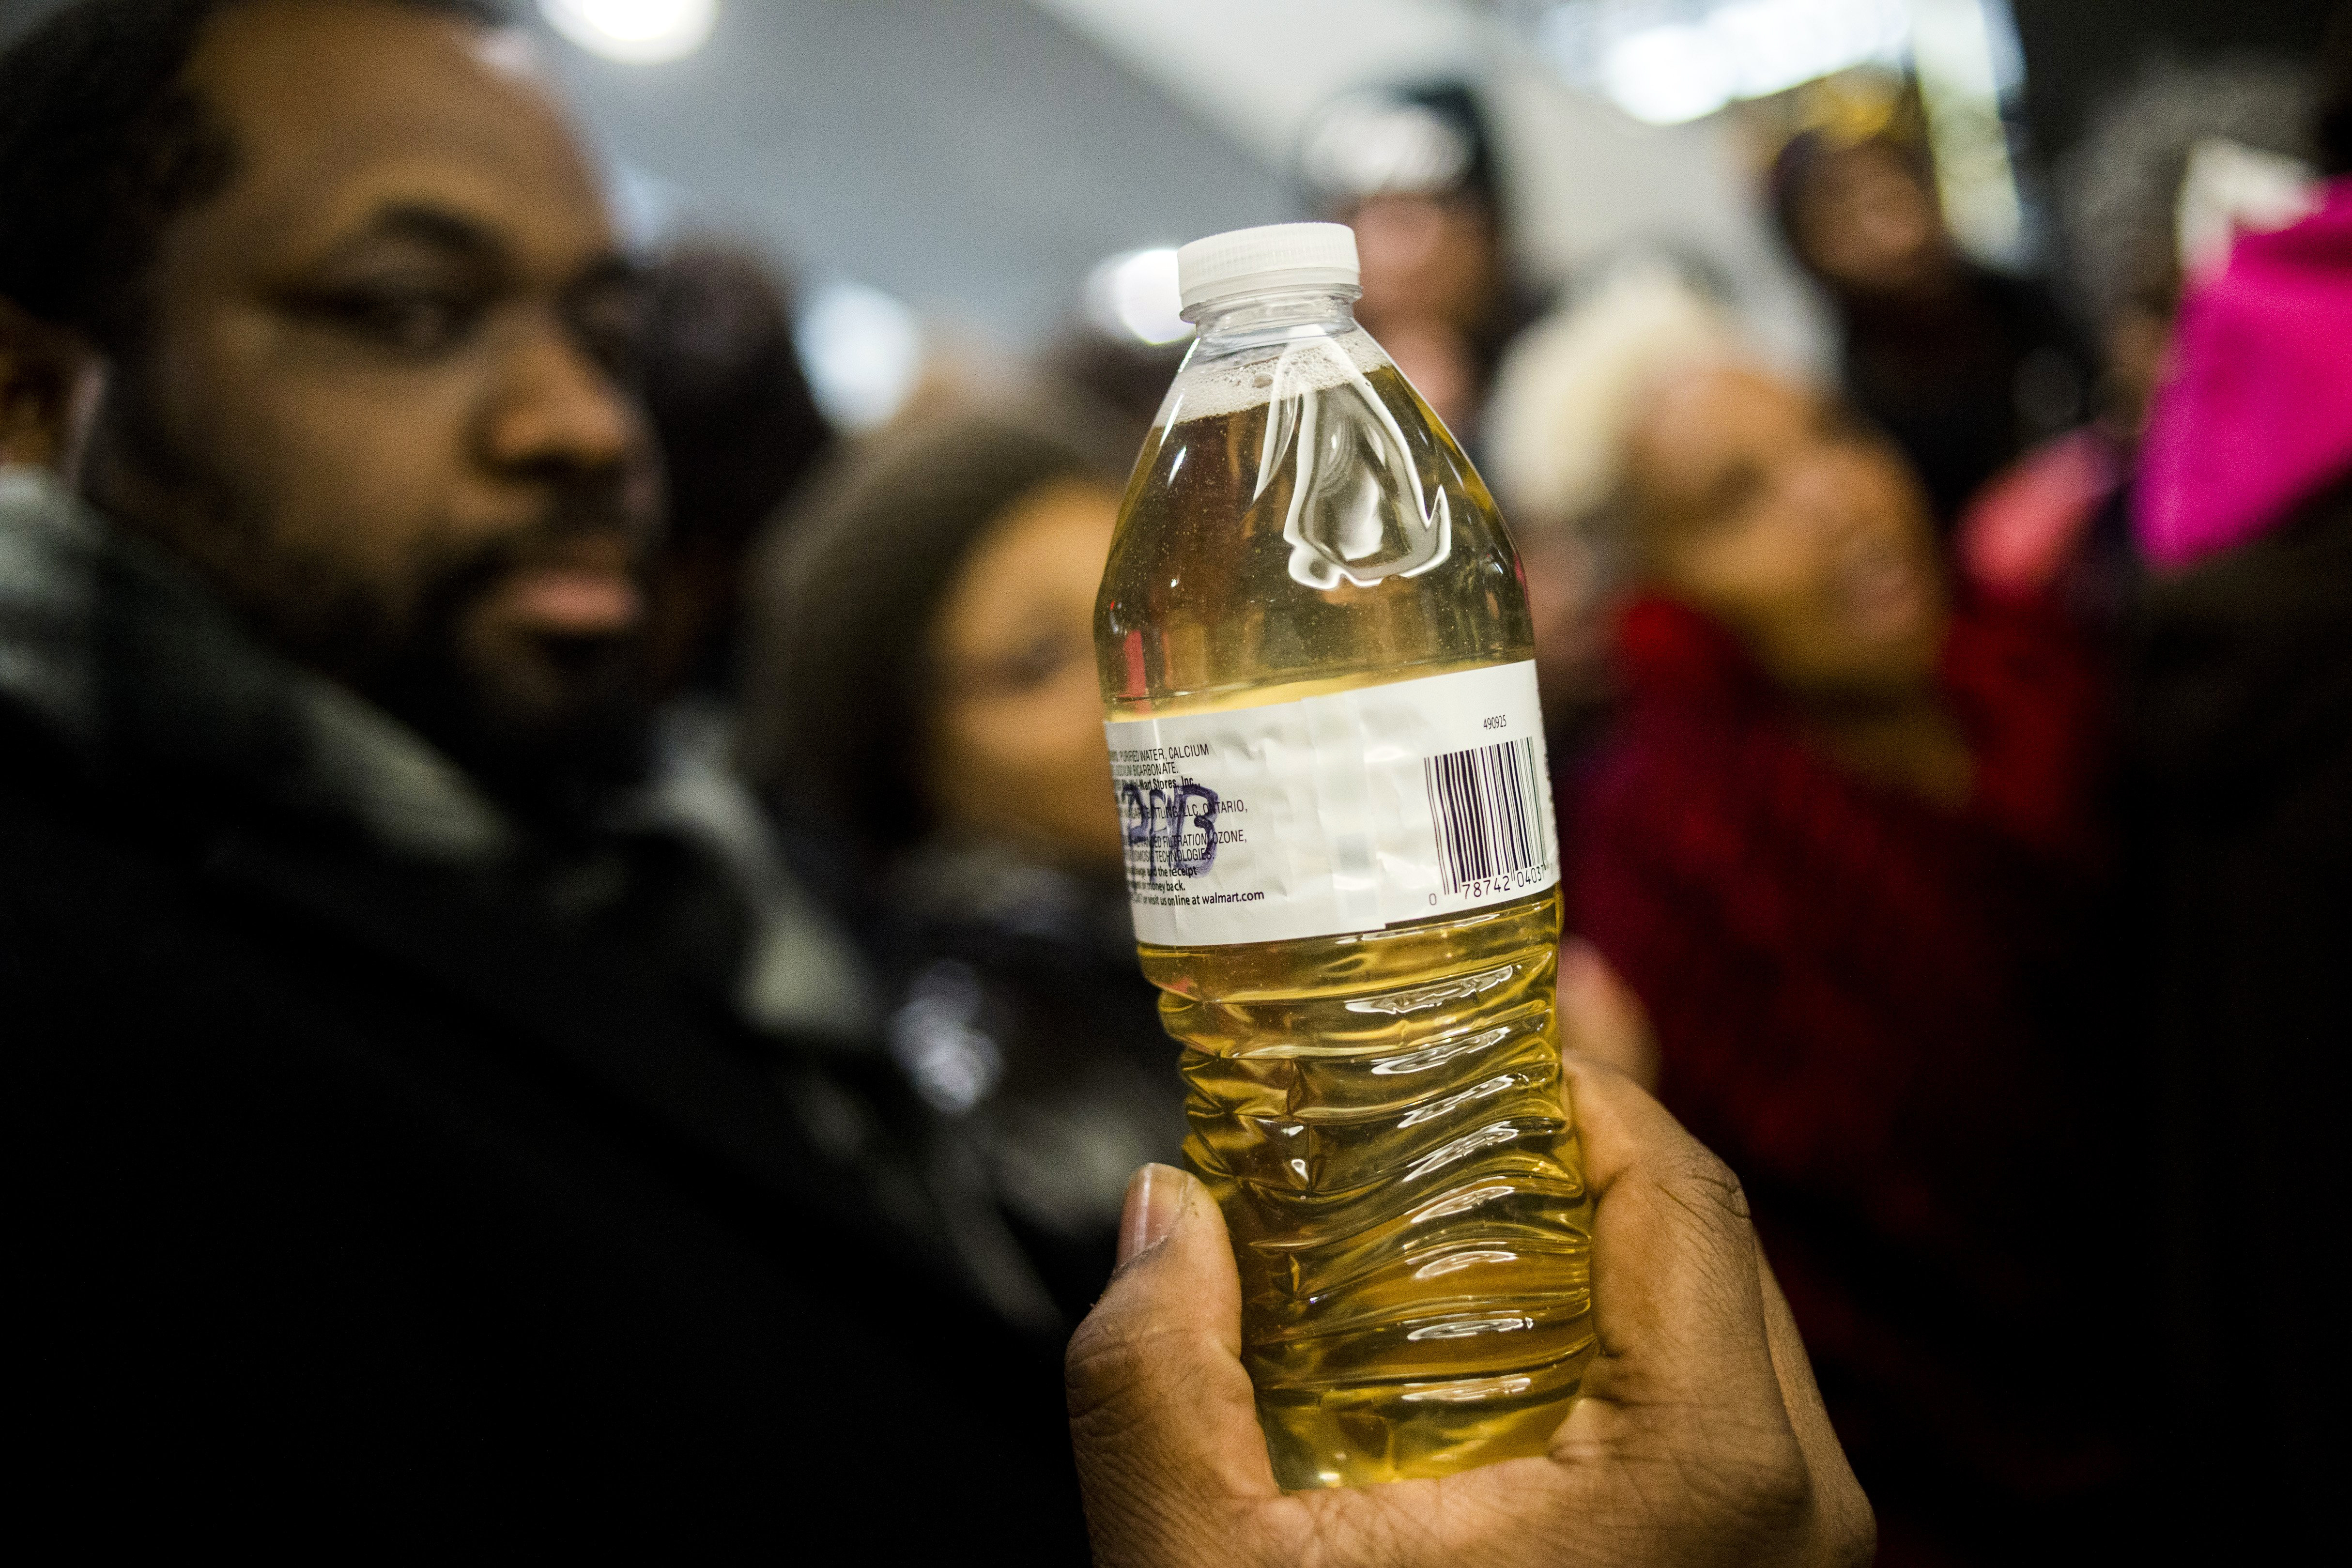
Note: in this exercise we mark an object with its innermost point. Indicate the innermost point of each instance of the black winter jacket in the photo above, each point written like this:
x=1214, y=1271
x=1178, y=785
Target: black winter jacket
x=362, y=1205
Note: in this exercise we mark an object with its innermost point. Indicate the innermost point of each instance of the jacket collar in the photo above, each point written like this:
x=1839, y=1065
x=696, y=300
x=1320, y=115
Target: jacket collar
x=117, y=647
x=112, y=650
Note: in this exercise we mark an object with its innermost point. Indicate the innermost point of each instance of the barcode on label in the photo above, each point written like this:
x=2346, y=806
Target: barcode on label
x=1485, y=804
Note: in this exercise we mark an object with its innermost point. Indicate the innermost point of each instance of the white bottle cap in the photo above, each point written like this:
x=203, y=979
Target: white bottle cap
x=1279, y=256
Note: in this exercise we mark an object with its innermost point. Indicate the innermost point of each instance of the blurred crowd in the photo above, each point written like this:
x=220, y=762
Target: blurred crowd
x=491, y=779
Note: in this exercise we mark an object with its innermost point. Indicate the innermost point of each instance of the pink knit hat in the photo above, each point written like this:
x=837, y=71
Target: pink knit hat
x=2256, y=414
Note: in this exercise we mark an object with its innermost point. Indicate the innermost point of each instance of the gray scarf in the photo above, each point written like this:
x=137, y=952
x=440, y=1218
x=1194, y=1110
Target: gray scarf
x=119, y=649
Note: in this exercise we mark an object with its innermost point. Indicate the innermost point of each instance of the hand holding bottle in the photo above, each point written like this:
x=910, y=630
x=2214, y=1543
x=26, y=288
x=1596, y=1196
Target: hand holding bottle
x=1700, y=1437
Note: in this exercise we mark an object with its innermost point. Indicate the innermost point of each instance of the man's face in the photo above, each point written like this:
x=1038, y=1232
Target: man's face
x=380, y=403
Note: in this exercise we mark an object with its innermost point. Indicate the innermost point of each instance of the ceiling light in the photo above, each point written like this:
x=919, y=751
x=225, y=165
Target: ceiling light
x=1666, y=61
x=636, y=32
x=863, y=351
x=1133, y=295
x=1670, y=74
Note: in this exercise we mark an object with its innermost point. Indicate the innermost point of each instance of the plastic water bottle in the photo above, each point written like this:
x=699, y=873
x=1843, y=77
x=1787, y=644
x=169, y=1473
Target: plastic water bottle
x=1316, y=664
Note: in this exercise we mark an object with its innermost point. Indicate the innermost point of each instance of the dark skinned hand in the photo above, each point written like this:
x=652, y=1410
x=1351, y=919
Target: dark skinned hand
x=1700, y=1437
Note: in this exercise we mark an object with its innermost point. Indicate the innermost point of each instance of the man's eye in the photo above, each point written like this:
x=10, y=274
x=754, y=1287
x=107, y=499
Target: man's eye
x=613, y=328
x=409, y=321
x=619, y=347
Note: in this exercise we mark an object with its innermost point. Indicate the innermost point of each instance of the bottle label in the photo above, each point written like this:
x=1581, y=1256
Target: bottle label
x=1347, y=813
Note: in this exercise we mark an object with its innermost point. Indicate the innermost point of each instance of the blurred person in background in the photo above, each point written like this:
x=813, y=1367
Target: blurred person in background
x=1554, y=427
x=2182, y=144
x=920, y=679
x=1123, y=378
x=1964, y=367
x=374, y=1167
x=1412, y=171
x=2239, y=731
x=737, y=428
x=1832, y=844
x=2122, y=186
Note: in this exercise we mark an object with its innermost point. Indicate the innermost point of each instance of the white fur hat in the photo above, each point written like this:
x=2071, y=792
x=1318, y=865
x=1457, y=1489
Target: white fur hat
x=1557, y=422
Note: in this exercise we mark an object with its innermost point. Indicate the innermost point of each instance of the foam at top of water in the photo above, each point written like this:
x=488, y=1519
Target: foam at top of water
x=1241, y=382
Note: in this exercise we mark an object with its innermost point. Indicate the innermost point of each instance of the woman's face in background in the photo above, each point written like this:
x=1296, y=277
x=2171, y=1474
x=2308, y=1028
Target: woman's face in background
x=1869, y=224
x=1767, y=507
x=1016, y=742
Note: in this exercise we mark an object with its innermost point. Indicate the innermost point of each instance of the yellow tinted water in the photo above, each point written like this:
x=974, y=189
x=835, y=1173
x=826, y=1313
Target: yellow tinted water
x=1381, y=1119
x=1381, y=1116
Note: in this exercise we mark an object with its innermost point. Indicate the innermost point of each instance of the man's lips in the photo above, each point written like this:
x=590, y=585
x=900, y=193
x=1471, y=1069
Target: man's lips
x=571, y=601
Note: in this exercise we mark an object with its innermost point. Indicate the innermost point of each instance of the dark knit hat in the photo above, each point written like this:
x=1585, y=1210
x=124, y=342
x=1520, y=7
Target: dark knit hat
x=2335, y=134
x=1430, y=139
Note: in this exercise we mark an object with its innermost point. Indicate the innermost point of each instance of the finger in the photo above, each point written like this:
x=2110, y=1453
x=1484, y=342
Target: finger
x=1601, y=1016
x=1161, y=1414
x=1844, y=1512
x=1676, y=1299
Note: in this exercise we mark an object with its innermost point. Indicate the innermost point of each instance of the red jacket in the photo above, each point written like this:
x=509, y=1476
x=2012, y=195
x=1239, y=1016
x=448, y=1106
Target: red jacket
x=1843, y=983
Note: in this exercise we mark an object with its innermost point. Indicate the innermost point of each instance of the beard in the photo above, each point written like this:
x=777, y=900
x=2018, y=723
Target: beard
x=552, y=726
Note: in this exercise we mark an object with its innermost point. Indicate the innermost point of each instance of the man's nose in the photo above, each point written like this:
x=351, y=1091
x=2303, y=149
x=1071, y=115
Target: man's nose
x=558, y=414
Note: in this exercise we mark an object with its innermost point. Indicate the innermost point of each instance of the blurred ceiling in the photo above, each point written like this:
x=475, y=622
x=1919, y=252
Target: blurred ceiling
x=972, y=157
x=975, y=158
x=1585, y=181
x=1259, y=69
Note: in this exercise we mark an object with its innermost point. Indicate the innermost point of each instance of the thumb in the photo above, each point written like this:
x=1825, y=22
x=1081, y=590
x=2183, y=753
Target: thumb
x=1602, y=1016
x=1161, y=1414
